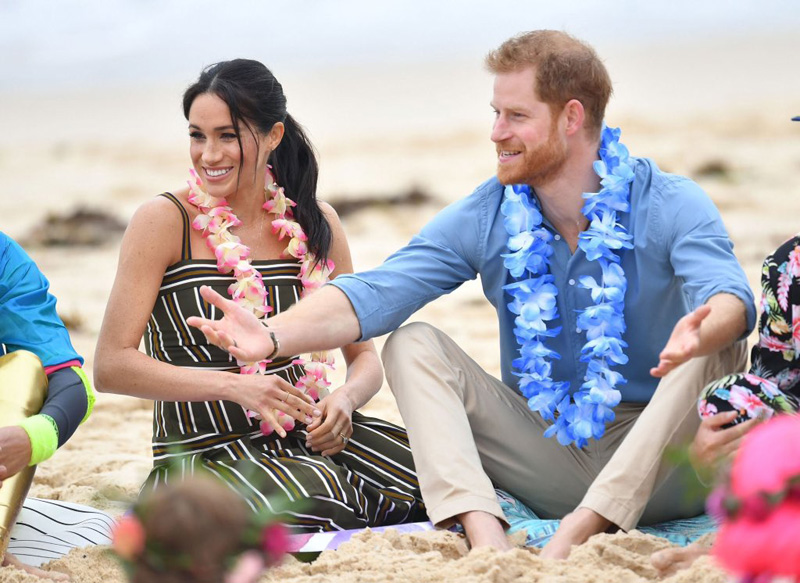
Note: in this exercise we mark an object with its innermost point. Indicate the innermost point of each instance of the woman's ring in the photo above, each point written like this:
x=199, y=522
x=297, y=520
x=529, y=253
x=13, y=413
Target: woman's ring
x=286, y=398
x=345, y=439
x=234, y=343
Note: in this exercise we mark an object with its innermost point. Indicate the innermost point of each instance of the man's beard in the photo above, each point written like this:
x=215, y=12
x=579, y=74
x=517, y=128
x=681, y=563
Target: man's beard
x=538, y=166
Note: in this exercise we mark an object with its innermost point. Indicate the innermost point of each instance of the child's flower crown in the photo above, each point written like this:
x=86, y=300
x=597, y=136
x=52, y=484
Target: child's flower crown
x=263, y=537
x=723, y=504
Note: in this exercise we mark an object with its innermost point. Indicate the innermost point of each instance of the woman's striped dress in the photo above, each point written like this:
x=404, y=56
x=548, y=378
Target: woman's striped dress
x=371, y=483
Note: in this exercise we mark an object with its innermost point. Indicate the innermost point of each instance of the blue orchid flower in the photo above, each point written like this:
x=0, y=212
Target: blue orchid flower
x=575, y=418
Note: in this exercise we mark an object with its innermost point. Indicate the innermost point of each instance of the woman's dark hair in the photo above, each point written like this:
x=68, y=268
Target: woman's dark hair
x=256, y=102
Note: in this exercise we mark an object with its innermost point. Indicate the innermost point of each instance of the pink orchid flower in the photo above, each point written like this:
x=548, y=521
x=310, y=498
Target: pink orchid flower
x=325, y=357
x=744, y=400
x=288, y=228
x=706, y=409
x=315, y=275
x=279, y=204
x=297, y=248
x=229, y=254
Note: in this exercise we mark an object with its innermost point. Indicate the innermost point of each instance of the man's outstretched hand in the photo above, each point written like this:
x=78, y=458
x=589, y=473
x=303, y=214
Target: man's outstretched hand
x=683, y=343
x=239, y=331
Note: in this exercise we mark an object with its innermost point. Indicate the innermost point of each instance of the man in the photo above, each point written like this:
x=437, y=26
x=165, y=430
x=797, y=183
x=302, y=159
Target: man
x=616, y=296
x=44, y=393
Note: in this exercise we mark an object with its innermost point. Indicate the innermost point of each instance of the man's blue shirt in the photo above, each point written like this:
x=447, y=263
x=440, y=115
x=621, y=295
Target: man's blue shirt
x=682, y=256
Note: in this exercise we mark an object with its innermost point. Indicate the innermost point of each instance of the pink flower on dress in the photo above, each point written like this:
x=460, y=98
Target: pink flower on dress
x=745, y=400
x=706, y=409
x=773, y=344
x=793, y=265
x=767, y=386
x=796, y=329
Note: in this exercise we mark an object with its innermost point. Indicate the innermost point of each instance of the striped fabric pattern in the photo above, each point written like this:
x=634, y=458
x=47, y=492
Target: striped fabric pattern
x=371, y=483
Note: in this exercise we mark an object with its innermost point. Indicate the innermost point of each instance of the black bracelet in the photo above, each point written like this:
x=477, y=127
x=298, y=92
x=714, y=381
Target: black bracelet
x=275, y=342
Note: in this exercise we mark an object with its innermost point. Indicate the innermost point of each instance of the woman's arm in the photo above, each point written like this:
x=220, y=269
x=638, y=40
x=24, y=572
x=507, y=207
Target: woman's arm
x=364, y=371
x=149, y=246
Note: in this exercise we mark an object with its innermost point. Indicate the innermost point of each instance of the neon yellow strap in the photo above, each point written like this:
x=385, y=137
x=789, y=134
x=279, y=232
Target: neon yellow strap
x=43, y=433
x=90, y=398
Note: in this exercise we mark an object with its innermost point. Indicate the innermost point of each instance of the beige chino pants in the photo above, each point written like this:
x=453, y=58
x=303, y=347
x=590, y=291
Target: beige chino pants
x=470, y=432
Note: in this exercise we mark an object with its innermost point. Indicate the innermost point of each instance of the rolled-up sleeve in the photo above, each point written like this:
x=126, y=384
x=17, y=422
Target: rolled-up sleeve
x=700, y=249
x=440, y=258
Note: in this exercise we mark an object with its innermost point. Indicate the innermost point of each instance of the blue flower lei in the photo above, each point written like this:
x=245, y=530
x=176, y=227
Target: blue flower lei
x=583, y=415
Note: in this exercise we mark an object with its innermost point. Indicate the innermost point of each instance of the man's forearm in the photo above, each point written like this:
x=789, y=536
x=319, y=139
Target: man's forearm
x=724, y=325
x=322, y=321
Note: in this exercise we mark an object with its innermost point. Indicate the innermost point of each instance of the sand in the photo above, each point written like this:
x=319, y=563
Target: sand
x=112, y=150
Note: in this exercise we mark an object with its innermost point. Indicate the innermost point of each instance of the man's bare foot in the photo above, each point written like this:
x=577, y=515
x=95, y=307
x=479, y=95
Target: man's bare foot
x=11, y=561
x=484, y=530
x=575, y=529
x=670, y=561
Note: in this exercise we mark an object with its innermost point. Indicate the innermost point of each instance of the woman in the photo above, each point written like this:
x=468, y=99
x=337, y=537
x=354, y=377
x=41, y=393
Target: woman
x=347, y=470
x=732, y=405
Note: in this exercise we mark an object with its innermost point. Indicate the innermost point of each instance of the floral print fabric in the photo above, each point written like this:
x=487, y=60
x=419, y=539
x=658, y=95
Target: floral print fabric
x=773, y=383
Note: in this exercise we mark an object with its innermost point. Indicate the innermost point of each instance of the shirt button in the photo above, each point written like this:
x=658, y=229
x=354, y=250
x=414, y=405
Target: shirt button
x=557, y=237
x=572, y=282
x=578, y=330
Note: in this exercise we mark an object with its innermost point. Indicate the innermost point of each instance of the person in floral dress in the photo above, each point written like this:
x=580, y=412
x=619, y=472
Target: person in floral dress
x=731, y=405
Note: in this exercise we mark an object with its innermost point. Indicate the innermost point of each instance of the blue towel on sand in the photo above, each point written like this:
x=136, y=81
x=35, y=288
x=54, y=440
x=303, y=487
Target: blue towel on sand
x=520, y=517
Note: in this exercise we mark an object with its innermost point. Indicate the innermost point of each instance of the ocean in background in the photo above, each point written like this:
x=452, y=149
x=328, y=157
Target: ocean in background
x=394, y=94
x=46, y=44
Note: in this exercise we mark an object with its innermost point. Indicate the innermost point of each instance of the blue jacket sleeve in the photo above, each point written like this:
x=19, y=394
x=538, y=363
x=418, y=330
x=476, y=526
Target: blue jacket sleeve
x=700, y=249
x=28, y=318
x=445, y=254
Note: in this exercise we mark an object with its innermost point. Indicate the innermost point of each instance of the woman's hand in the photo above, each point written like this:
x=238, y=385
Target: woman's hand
x=239, y=331
x=328, y=432
x=713, y=444
x=265, y=393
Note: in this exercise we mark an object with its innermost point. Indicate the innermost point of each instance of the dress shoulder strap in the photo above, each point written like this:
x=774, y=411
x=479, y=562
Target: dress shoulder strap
x=186, y=247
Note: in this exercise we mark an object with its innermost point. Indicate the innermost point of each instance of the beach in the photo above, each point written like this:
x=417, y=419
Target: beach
x=110, y=150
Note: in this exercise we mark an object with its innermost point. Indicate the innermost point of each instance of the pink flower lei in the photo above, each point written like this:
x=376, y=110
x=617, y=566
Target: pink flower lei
x=215, y=221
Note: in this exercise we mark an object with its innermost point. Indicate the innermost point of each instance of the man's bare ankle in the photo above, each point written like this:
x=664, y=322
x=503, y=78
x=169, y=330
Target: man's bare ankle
x=484, y=530
x=575, y=529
